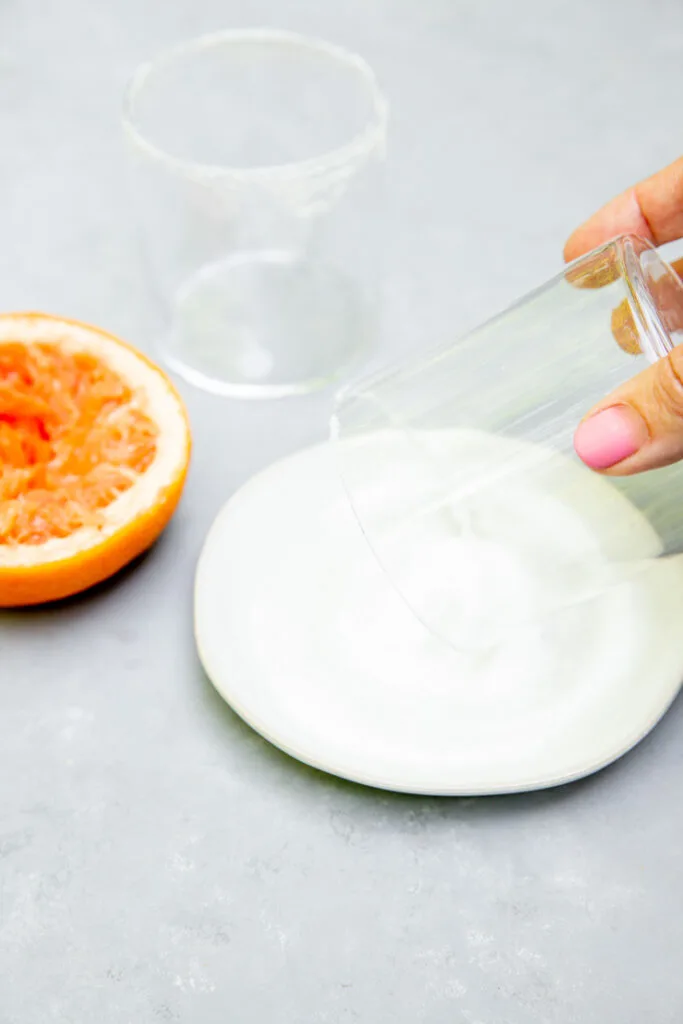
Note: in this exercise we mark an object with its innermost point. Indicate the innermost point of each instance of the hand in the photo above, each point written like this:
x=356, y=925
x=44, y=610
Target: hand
x=640, y=425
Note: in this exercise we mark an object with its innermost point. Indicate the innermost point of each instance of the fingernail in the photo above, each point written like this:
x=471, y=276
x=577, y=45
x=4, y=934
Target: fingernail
x=610, y=436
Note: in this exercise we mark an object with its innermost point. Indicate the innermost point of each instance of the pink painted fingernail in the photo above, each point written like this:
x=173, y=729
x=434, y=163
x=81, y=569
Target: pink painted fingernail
x=610, y=436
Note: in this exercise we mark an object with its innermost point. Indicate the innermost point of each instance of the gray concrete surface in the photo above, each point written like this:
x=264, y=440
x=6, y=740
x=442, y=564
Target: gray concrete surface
x=158, y=861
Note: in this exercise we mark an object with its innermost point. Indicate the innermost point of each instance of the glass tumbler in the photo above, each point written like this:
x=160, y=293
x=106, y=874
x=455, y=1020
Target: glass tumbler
x=461, y=470
x=256, y=163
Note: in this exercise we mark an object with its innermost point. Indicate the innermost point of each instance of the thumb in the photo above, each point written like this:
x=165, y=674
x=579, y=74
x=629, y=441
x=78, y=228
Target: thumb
x=640, y=425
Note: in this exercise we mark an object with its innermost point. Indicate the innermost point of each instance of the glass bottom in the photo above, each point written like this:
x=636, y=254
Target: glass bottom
x=266, y=325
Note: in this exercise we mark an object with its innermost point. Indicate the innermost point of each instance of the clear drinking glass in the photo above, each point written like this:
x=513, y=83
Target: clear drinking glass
x=256, y=163
x=461, y=466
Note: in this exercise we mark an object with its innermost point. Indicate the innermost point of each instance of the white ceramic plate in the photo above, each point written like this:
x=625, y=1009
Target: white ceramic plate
x=368, y=694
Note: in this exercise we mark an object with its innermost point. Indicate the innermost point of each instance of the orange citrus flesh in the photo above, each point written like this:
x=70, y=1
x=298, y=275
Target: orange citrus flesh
x=70, y=442
x=85, y=421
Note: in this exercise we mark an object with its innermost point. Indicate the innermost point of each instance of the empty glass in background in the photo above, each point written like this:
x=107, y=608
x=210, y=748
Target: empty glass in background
x=256, y=162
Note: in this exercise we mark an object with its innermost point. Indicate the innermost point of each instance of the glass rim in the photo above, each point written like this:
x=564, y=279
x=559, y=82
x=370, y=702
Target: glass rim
x=643, y=306
x=361, y=144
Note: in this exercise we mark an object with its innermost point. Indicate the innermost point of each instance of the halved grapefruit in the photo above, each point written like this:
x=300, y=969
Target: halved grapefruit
x=94, y=450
